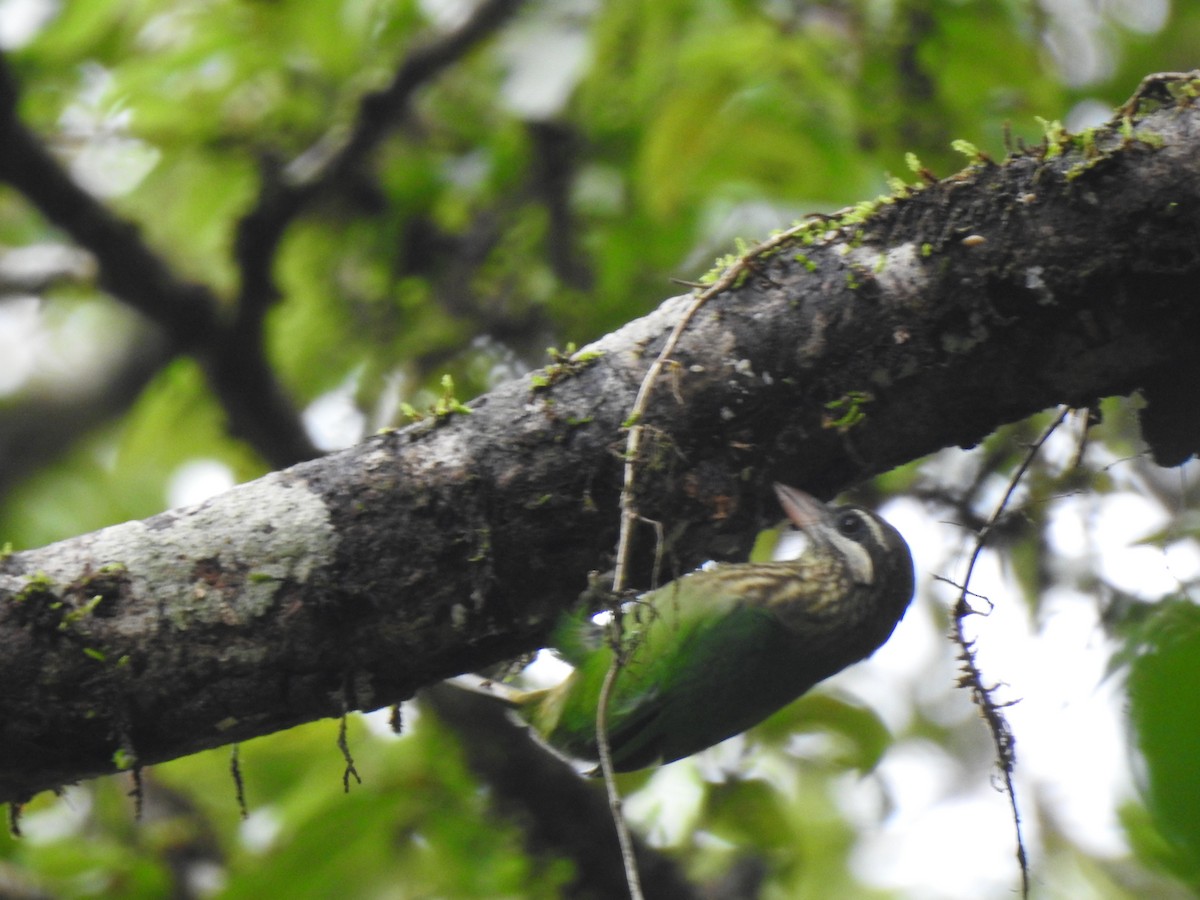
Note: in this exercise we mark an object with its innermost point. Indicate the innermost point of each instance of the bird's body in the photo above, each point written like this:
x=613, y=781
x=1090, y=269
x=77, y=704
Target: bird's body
x=717, y=651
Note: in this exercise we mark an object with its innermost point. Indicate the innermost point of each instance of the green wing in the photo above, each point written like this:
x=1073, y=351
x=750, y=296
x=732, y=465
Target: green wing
x=687, y=682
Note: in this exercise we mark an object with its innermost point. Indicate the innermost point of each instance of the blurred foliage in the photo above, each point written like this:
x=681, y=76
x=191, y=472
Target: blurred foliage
x=1164, y=660
x=680, y=125
x=416, y=827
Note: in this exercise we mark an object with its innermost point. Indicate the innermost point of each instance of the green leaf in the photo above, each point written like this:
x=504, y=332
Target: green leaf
x=748, y=814
x=1164, y=707
x=860, y=736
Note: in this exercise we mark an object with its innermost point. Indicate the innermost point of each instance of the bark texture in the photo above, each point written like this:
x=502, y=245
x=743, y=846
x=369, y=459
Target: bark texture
x=1059, y=276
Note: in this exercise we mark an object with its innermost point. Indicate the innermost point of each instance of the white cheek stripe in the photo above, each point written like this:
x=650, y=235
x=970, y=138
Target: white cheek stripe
x=858, y=559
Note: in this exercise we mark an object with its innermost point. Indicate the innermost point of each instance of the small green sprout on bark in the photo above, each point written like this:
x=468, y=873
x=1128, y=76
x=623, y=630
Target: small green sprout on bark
x=973, y=154
x=846, y=411
x=1057, y=137
x=563, y=364
x=445, y=406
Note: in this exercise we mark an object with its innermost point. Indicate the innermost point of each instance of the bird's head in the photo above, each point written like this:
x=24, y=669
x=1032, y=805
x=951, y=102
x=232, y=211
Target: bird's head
x=861, y=552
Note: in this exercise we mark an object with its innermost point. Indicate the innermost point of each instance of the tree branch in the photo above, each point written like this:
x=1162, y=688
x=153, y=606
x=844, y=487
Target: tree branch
x=128, y=268
x=258, y=408
x=562, y=814
x=42, y=423
x=285, y=194
x=1062, y=275
x=230, y=348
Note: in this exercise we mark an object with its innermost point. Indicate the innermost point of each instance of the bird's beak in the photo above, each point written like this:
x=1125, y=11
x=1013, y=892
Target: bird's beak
x=805, y=511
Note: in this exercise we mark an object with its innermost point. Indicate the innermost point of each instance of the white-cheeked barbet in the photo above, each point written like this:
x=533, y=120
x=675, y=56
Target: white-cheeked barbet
x=717, y=651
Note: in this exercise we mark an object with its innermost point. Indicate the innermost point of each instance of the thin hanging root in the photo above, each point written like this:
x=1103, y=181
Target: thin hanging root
x=972, y=678
x=629, y=517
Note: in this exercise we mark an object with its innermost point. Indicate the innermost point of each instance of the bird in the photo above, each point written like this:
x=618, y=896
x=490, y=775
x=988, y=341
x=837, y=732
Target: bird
x=715, y=652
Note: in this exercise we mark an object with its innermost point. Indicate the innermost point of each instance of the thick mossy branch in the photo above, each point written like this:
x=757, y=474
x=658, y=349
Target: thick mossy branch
x=351, y=581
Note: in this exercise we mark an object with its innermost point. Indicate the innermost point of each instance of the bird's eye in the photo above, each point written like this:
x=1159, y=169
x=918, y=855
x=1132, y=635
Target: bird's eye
x=851, y=525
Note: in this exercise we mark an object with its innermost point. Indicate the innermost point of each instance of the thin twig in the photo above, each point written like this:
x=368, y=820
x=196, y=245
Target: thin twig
x=239, y=783
x=1085, y=420
x=344, y=745
x=137, y=790
x=629, y=515
x=633, y=444
x=972, y=677
x=628, y=859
